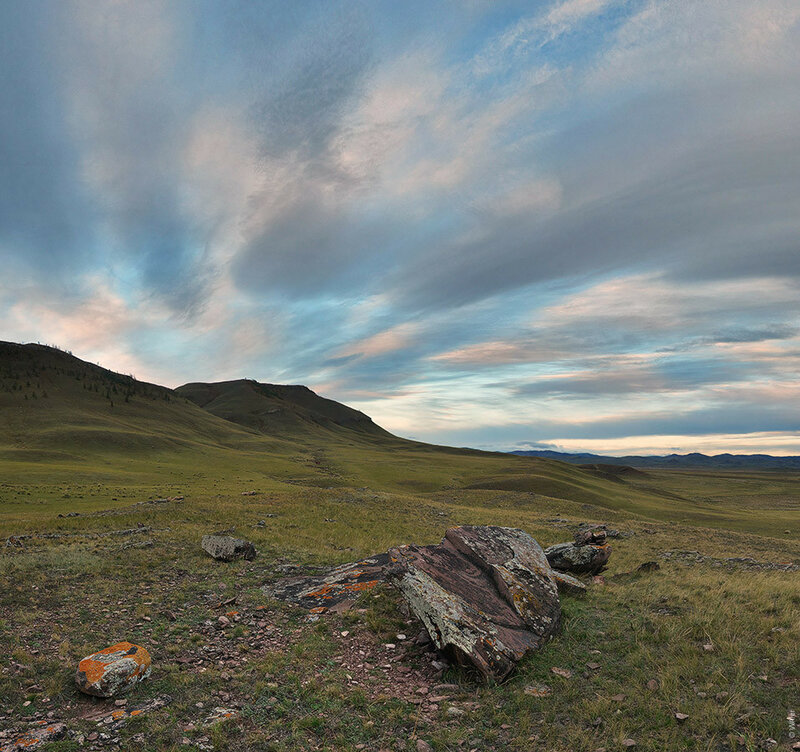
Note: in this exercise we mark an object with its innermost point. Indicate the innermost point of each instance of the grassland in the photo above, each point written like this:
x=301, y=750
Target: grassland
x=331, y=496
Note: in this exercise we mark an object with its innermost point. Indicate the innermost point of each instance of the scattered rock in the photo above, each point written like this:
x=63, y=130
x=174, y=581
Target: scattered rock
x=537, y=690
x=227, y=548
x=220, y=714
x=628, y=743
x=568, y=584
x=41, y=733
x=336, y=591
x=423, y=746
x=113, y=671
x=681, y=717
x=564, y=672
x=734, y=562
x=594, y=536
x=486, y=594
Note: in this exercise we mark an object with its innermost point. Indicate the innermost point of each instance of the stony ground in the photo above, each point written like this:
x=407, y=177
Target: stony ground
x=700, y=654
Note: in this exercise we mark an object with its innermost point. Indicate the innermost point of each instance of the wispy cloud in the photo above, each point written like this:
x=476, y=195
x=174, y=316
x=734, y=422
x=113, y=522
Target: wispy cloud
x=476, y=222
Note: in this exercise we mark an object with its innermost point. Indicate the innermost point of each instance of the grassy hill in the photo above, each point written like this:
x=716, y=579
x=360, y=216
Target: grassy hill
x=278, y=410
x=67, y=420
x=53, y=404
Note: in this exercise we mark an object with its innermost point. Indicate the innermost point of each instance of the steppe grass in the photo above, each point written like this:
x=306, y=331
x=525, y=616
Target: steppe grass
x=62, y=598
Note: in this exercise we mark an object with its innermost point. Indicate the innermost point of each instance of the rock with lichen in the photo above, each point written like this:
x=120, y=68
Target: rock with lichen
x=114, y=670
x=485, y=594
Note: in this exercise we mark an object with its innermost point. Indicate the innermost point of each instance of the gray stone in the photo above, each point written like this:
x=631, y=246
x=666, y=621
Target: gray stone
x=586, y=559
x=226, y=548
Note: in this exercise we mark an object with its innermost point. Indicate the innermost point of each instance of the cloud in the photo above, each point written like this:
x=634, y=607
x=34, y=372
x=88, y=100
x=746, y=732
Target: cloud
x=457, y=215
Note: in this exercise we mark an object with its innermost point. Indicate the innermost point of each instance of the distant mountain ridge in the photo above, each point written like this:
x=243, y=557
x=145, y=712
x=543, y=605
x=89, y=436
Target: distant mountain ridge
x=693, y=460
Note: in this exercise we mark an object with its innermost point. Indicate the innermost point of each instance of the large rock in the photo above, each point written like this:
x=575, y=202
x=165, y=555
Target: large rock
x=584, y=559
x=485, y=594
x=335, y=591
x=113, y=671
x=226, y=548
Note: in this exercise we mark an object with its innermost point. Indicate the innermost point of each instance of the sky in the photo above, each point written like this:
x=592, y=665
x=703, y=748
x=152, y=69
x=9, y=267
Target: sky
x=569, y=225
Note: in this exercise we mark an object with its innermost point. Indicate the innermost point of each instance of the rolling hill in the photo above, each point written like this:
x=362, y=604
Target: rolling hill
x=278, y=410
x=53, y=404
x=72, y=427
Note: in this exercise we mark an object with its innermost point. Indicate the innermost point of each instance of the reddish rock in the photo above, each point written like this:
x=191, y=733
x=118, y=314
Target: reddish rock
x=485, y=594
x=568, y=584
x=113, y=671
x=595, y=536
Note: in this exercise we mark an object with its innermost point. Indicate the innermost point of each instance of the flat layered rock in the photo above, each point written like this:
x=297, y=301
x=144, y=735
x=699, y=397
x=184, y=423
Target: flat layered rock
x=485, y=594
x=336, y=590
x=227, y=548
x=113, y=671
x=41, y=733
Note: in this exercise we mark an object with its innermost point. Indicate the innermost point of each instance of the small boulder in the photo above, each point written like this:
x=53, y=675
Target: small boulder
x=584, y=559
x=227, y=548
x=568, y=584
x=595, y=536
x=113, y=671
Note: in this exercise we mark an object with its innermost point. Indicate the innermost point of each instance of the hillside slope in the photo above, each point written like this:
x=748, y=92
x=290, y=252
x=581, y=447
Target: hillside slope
x=279, y=410
x=52, y=402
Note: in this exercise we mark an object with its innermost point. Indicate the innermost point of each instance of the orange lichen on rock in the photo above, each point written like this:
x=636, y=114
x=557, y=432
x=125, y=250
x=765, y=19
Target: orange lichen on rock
x=113, y=670
x=328, y=591
x=31, y=739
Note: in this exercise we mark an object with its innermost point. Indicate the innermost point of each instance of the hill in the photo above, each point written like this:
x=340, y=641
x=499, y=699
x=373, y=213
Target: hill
x=53, y=405
x=278, y=410
x=675, y=461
